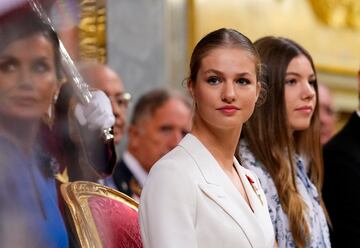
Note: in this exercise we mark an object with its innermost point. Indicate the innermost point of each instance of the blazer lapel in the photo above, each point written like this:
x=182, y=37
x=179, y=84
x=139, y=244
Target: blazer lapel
x=244, y=221
x=220, y=189
x=252, y=188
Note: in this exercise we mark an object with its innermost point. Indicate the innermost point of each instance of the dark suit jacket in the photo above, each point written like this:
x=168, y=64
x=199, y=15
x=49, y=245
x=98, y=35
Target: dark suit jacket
x=124, y=179
x=341, y=191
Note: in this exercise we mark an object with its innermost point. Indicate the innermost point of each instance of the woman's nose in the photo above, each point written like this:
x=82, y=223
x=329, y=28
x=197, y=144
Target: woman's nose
x=308, y=91
x=228, y=93
x=24, y=79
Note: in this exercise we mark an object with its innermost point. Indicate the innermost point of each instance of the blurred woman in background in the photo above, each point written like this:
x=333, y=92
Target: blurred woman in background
x=29, y=81
x=30, y=75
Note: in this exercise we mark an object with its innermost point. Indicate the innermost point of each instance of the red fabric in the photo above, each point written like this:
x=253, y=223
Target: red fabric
x=117, y=223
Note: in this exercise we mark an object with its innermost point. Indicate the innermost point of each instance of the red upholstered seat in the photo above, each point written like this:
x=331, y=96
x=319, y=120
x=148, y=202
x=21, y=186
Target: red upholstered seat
x=101, y=217
x=116, y=222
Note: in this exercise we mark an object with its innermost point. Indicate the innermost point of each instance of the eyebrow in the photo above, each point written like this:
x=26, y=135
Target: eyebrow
x=6, y=56
x=40, y=58
x=298, y=74
x=10, y=57
x=219, y=72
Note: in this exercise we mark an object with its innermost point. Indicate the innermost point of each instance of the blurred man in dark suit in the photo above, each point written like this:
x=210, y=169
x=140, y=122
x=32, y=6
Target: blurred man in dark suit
x=159, y=121
x=341, y=189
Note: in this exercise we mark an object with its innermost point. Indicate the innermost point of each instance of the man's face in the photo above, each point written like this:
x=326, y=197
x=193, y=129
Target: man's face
x=327, y=114
x=154, y=136
x=108, y=81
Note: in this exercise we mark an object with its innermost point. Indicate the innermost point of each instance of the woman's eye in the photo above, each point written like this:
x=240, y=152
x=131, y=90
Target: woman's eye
x=7, y=67
x=41, y=67
x=312, y=82
x=291, y=81
x=243, y=81
x=213, y=80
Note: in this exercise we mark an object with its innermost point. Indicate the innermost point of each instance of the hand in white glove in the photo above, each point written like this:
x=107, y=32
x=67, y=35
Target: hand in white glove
x=97, y=114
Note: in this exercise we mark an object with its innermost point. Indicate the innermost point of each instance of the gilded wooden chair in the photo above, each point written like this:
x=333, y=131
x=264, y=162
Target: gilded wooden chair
x=101, y=217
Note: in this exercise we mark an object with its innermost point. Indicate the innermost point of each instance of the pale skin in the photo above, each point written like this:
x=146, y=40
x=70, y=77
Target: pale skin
x=225, y=93
x=300, y=94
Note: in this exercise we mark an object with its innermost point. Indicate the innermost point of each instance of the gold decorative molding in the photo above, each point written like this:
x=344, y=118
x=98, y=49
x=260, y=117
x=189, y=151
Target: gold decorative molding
x=338, y=13
x=92, y=30
x=76, y=196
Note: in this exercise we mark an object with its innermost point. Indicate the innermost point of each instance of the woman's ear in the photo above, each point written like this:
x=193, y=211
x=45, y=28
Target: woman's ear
x=258, y=90
x=190, y=87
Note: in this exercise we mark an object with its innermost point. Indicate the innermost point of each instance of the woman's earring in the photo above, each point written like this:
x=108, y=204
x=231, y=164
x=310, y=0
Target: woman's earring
x=49, y=116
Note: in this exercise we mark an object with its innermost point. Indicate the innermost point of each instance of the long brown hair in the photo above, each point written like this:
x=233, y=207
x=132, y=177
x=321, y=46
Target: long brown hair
x=268, y=139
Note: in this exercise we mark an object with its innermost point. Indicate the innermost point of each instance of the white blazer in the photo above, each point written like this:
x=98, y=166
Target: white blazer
x=188, y=201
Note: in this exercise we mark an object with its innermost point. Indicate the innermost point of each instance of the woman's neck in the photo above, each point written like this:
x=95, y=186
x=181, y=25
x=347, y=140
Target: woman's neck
x=21, y=132
x=221, y=143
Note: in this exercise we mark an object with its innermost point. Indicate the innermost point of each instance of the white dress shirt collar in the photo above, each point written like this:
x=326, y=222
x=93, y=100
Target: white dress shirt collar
x=135, y=167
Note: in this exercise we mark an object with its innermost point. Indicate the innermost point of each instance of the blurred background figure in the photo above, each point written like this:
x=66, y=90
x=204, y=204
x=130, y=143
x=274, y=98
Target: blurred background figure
x=327, y=114
x=102, y=77
x=76, y=139
x=29, y=82
x=30, y=87
x=159, y=121
x=342, y=182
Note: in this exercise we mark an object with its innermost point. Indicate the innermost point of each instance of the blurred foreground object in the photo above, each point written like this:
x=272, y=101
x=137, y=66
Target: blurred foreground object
x=97, y=114
x=80, y=87
x=29, y=81
x=102, y=77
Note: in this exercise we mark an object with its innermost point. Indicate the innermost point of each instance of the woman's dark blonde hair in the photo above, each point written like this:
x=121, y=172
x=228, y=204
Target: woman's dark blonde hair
x=268, y=138
x=222, y=38
x=225, y=38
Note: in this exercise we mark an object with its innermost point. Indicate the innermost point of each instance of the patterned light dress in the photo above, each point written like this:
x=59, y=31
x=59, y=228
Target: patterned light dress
x=319, y=237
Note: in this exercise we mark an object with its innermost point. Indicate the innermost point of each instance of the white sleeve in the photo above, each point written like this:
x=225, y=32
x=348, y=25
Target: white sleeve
x=168, y=207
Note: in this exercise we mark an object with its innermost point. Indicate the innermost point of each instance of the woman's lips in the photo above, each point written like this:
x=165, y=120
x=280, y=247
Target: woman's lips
x=228, y=110
x=24, y=100
x=305, y=109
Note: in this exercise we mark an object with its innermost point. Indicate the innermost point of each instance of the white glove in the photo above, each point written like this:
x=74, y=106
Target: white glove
x=97, y=114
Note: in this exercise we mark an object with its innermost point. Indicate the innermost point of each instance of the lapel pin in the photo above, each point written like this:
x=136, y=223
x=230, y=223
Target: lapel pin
x=256, y=189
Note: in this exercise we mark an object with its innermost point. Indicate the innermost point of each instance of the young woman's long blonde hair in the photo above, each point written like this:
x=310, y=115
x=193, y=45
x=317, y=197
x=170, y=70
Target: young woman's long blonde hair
x=269, y=141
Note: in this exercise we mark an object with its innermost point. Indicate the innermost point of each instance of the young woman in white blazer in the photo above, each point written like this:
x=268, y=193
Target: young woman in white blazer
x=198, y=195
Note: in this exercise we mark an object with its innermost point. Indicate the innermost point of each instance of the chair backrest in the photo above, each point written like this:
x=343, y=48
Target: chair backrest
x=101, y=217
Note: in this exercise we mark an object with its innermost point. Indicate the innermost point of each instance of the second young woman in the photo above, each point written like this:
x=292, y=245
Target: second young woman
x=282, y=145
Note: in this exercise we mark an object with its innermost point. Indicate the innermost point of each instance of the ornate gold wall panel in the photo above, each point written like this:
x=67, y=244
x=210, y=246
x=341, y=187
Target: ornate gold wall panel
x=338, y=13
x=92, y=30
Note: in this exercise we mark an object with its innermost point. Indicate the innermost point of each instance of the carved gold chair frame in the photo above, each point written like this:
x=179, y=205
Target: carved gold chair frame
x=76, y=196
